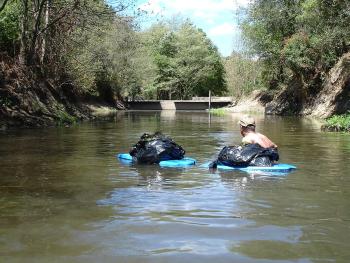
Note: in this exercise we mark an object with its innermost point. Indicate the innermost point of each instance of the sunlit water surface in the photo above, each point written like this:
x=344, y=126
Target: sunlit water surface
x=64, y=197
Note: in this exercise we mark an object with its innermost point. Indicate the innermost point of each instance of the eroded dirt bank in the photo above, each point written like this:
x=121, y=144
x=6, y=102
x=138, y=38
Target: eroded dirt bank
x=30, y=100
x=331, y=97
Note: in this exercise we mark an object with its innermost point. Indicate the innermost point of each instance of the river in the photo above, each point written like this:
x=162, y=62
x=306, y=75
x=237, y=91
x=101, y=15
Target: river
x=64, y=197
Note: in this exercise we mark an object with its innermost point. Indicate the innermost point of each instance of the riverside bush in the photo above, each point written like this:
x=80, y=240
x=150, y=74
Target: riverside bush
x=338, y=123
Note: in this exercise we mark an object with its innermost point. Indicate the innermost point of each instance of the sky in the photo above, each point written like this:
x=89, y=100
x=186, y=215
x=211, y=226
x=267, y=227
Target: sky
x=218, y=18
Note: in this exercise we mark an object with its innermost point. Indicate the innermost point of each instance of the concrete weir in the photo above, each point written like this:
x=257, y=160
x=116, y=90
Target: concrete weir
x=199, y=103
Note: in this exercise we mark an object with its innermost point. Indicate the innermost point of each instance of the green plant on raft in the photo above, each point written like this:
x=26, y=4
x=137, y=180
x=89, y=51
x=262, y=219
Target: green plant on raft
x=338, y=123
x=218, y=112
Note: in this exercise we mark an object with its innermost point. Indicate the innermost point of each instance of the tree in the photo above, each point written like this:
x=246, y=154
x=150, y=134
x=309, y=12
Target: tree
x=187, y=63
x=199, y=64
x=44, y=21
x=106, y=61
x=242, y=74
x=9, y=30
x=89, y=47
x=297, y=41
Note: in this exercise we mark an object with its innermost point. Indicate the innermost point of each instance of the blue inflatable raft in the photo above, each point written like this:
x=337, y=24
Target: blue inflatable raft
x=185, y=162
x=278, y=168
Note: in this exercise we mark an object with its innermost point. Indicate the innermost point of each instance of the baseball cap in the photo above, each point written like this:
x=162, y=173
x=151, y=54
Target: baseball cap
x=246, y=121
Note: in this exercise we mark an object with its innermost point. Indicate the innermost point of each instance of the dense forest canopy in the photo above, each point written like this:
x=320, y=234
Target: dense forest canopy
x=297, y=40
x=186, y=63
x=98, y=49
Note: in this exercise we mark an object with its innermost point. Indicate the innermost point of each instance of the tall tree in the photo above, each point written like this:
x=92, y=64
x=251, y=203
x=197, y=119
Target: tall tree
x=297, y=40
x=187, y=62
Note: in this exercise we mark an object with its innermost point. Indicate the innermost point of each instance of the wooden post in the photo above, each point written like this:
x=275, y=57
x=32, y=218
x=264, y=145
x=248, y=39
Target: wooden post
x=209, y=99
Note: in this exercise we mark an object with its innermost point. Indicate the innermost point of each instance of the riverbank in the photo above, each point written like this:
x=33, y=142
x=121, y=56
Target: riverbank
x=29, y=99
x=330, y=97
x=253, y=103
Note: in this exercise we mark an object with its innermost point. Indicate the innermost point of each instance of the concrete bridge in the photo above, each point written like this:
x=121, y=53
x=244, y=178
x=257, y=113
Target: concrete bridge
x=197, y=103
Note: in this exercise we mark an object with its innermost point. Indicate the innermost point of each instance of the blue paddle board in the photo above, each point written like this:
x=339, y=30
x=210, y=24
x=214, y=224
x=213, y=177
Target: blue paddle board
x=127, y=159
x=279, y=168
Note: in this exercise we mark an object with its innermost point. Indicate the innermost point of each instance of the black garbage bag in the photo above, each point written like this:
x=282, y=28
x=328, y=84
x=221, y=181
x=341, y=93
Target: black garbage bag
x=248, y=155
x=153, y=148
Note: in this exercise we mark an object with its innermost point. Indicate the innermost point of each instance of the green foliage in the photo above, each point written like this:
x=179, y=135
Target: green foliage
x=298, y=54
x=218, y=112
x=90, y=46
x=64, y=118
x=102, y=59
x=338, y=123
x=242, y=74
x=163, y=62
x=301, y=39
x=186, y=62
x=9, y=26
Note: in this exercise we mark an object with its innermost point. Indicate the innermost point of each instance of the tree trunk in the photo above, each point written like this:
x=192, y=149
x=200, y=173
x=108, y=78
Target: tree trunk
x=24, y=33
x=33, y=49
x=46, y=22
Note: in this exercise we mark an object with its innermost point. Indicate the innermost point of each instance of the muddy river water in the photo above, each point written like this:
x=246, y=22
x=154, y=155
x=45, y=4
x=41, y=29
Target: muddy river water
x=64, y=197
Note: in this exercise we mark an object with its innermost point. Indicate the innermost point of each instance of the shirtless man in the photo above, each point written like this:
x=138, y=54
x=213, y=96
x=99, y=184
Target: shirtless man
x=247, y=127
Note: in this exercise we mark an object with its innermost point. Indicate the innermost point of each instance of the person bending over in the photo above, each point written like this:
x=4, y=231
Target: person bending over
x=250, y=136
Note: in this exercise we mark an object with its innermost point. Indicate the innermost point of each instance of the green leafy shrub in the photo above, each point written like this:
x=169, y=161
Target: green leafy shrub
x=9, y=26
x=297, y=53
x=338, y=123
x=65, y=118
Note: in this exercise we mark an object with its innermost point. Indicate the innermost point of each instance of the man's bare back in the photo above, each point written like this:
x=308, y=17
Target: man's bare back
x=247, y=128
x=255, y=137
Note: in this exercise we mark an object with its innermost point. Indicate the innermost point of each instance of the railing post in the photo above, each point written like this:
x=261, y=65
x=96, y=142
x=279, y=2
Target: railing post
x=209, y=99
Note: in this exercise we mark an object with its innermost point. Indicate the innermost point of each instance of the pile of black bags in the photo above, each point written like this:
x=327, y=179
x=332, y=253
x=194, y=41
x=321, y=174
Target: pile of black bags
x=153, y=148
x=248, y=155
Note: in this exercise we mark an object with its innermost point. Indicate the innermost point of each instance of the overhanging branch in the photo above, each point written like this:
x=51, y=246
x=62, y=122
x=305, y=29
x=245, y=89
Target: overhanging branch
x=3, y=5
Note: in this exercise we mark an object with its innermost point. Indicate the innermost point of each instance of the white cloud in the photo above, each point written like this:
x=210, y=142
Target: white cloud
x=209, y=18
x=223, y=30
